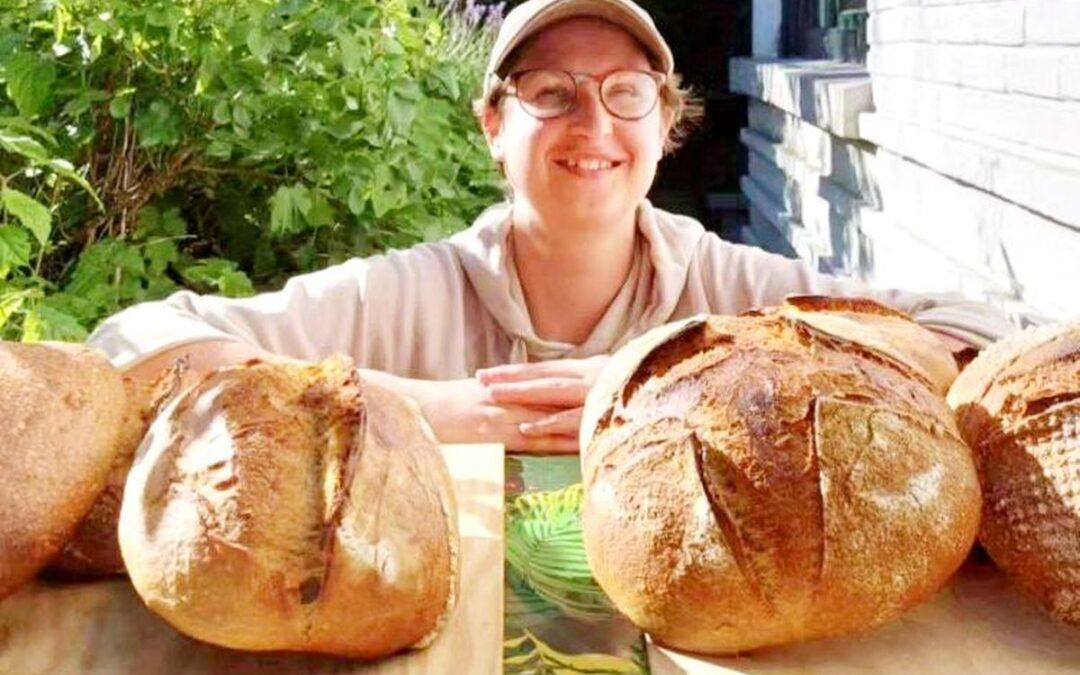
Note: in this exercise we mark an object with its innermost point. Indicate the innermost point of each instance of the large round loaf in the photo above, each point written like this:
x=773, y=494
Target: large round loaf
x=60, y=409
x=1018, y=406
x=758, y=480
x=293, y=507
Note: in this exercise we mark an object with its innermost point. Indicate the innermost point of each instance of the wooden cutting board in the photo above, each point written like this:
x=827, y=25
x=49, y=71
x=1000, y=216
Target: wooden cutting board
x=103, y=627
x=977, y=625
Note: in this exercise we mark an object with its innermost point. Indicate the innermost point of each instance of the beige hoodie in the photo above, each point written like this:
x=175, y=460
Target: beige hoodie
x=442, y=310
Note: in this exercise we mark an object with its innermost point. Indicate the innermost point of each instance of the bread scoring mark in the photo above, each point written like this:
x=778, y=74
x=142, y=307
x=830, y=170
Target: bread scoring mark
x=824, y=303
x=813, y=417
x=718, y=474
x=694, y=338
x=833, y=343
x=1022, y=347
x=1038, y=406
x=343, y=421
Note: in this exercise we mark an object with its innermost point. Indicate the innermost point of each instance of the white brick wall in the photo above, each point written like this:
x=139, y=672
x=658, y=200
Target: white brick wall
x=1054, y=22
x=1007, y=69
x=964, y=177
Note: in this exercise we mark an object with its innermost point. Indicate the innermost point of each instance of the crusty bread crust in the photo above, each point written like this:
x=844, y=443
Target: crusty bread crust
x=94, y=550
x=295, y=508
x=1018, y=406
x=757, y=480
x=61, y=410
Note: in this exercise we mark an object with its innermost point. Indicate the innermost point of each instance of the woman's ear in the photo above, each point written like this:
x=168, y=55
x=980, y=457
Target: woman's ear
x=492, y=123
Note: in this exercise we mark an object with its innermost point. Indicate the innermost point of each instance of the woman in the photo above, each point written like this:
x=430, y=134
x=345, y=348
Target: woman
x=580, y=102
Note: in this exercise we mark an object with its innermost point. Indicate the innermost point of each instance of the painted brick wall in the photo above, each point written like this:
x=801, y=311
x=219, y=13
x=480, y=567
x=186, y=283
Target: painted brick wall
x=962, y=174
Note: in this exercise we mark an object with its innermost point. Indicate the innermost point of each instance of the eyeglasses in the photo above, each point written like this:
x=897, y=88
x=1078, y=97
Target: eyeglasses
x=545, y=93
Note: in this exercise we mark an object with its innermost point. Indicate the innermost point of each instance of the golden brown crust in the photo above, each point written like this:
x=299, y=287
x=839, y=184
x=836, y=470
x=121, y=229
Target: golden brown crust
x=94, y=550
x=289, y=507
x=1018, y=406
x=883, y=329
x=61, y=409
x=758, y=480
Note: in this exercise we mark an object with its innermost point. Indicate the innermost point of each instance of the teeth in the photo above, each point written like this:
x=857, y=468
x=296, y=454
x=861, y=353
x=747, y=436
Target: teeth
x=588, y=164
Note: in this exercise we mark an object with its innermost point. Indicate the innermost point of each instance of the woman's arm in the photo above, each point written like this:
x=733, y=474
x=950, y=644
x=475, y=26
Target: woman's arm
x=459, y=411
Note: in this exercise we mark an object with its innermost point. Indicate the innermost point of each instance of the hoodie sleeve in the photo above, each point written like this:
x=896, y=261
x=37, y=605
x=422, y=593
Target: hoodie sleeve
x=313, y=314
x=377, y=310
x=739, y=277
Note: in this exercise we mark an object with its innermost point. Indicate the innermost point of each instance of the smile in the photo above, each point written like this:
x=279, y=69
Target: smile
x=588, y=165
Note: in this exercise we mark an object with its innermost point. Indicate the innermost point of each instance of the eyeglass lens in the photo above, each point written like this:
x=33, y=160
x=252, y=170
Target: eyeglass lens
x=629, y=94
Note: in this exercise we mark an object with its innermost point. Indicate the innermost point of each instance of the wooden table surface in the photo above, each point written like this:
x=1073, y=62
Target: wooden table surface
x=977, y=625
x=103, y=627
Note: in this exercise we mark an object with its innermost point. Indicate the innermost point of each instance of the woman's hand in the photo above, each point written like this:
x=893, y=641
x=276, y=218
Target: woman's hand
x=562, y=385
x=462, y=411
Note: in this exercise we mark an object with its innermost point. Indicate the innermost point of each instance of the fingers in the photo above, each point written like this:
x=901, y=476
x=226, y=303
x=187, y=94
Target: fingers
x=562, y=445
x=517, y=372
x=564, y=423
x=552, y=391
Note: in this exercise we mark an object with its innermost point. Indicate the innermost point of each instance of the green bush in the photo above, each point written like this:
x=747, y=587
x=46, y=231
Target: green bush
x=224, y=145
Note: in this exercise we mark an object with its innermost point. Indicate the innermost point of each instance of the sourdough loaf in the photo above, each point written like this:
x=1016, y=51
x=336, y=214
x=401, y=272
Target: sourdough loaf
x=780, y=476
x=293, y=507
x=61, y=408
x=1018, y=406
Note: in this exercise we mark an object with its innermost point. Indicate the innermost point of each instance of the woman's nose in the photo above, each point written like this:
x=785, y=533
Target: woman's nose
x=589, y=115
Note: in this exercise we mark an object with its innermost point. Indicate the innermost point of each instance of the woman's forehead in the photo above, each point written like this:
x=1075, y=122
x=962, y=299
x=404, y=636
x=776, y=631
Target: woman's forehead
x=581, y=44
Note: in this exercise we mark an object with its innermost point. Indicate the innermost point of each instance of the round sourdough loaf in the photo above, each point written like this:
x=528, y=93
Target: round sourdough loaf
x=774, y=477
x=94, y=549
x=293, y=507
x=60, y=407
x=1018, y=406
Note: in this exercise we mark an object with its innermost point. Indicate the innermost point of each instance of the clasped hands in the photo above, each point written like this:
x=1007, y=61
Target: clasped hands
x=530, y=407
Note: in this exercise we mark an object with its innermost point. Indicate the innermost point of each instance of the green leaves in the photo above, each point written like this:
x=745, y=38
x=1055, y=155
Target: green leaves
x=23, y=145
x=544, y=545
x=289, y=134
x=29, y=82
x=48, y=323
x=401, y=105
x=221, y=275
x=158, y=124
x=14, y=248
x=33, y=215
x=287, y=208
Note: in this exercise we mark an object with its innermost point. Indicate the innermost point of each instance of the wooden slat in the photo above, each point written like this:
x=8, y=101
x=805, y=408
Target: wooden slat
x=103, y=627
x=977, y=625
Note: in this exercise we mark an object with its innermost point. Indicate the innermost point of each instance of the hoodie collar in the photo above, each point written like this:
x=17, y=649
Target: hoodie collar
x=648, y=297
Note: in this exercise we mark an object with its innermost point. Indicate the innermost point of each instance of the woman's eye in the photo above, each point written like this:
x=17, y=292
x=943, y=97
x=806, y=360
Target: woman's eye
x=551, y=95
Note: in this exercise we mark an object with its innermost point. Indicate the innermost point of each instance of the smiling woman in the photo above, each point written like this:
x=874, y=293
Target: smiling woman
x=499, y=331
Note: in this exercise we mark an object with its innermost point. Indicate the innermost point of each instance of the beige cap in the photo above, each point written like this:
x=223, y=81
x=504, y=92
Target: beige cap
x=528, y=18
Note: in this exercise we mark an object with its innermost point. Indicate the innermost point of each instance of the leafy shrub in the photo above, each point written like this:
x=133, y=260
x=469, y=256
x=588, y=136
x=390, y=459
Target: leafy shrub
x=224, y=145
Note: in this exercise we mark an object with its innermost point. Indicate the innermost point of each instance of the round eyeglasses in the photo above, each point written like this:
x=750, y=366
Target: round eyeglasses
x=545, y=93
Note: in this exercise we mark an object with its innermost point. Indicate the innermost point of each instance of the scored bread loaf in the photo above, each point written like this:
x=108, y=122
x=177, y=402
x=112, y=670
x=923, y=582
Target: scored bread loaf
x=61, y=407
x=293, y=507
x=780, y=476
x=1018, y=406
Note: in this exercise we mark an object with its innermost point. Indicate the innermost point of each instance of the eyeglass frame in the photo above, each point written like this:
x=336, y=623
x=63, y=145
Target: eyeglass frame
x=508, y=87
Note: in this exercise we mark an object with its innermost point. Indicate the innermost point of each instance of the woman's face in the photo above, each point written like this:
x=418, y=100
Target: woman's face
x=552, y=164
